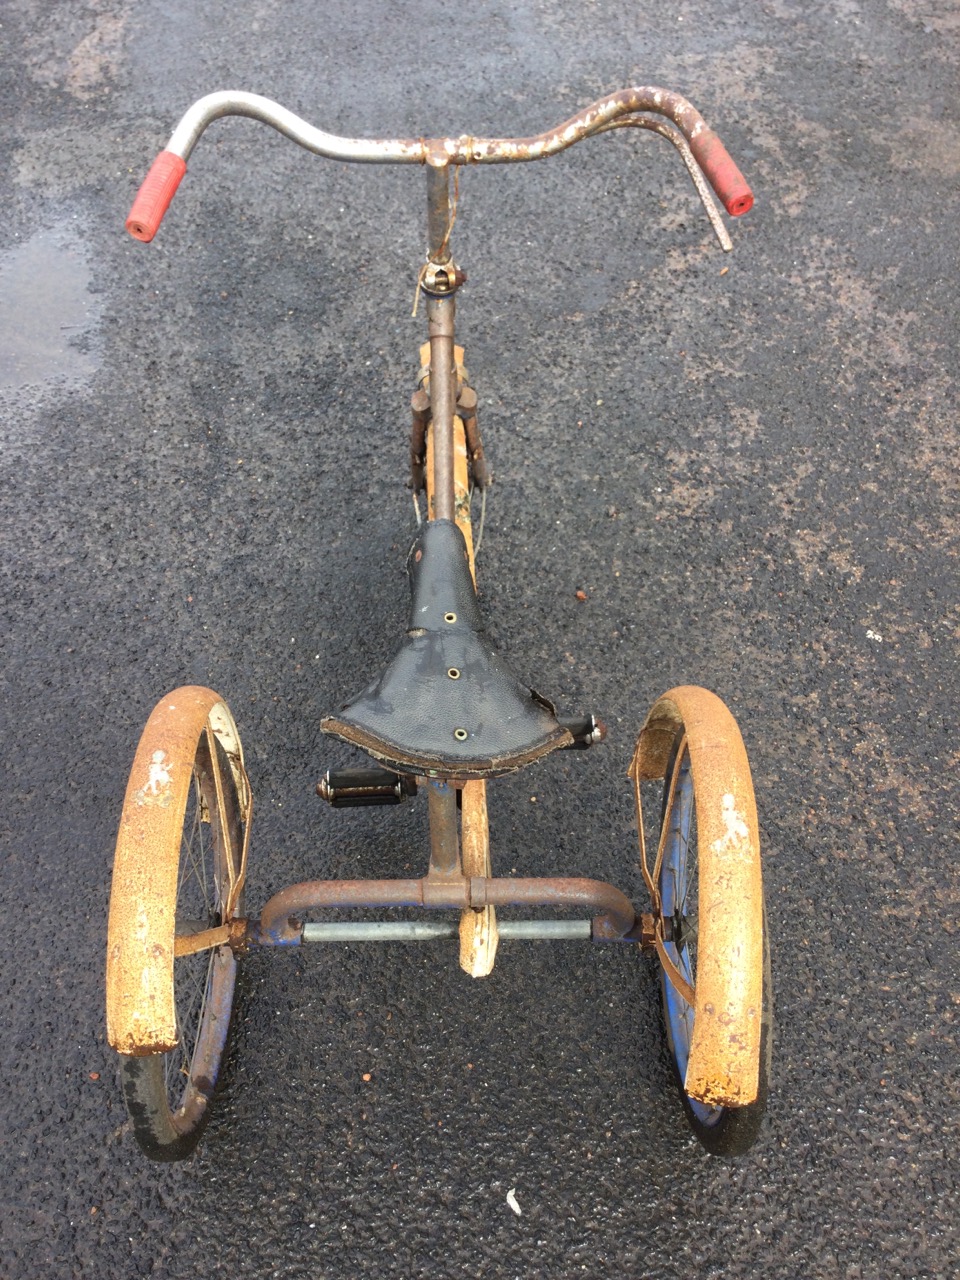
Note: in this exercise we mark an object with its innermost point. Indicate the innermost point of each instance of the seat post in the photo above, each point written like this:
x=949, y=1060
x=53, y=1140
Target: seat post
x=444, y=839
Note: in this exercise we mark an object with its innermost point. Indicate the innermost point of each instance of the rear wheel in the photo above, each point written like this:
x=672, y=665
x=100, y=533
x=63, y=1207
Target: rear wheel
x=169, y=1092
x=722, y=1129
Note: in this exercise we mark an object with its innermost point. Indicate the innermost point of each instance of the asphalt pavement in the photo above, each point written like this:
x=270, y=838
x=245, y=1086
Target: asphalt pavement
x=737, y=470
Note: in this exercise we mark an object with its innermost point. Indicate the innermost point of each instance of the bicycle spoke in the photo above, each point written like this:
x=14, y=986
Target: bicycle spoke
x=199, y=897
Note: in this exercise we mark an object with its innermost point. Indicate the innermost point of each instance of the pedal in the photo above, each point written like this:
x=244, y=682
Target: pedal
x=587, y=732
x=356, y=788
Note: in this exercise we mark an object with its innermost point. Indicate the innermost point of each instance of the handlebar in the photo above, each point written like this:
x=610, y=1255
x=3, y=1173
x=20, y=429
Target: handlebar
x=623, y=108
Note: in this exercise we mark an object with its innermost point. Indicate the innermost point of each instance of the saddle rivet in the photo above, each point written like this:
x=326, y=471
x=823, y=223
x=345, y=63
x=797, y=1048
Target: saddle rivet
x=461, y=735
x=449, y=617
x=453, y=673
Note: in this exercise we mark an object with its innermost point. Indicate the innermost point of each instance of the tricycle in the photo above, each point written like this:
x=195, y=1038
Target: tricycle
x=442, y=721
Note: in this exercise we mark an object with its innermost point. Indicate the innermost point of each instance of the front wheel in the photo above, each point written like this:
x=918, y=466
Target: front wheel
x=178, y=879
x=710, y=921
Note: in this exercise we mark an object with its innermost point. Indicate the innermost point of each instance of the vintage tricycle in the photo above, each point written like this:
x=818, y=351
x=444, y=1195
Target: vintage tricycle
x=445, y=718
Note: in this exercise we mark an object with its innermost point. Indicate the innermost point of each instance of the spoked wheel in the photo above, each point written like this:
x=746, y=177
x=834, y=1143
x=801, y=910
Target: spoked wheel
x=715, y=967
x=178, y=880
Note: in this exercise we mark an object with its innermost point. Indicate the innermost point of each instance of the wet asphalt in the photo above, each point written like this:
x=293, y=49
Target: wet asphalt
x=746, y=464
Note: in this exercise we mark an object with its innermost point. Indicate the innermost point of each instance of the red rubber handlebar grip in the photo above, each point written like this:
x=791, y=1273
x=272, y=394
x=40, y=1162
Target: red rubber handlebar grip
x=723, y=175
x=156, y=192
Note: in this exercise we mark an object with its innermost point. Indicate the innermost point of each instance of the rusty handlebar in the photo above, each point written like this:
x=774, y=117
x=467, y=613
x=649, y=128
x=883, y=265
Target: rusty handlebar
x=626, y=107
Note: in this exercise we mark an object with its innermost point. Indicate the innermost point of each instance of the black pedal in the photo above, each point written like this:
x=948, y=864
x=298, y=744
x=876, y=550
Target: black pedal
x=356, y=788
x=587, y=732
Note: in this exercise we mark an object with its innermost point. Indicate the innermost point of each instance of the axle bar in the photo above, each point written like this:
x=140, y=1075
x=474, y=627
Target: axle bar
x=280, y=923
x=429, y=930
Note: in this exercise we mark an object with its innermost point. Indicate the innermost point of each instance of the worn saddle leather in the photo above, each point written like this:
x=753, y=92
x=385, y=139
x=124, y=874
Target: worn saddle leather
x=447, y=705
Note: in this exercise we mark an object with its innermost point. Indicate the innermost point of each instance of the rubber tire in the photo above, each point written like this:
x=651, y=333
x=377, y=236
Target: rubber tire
x=725, y=1132
x=163, y=1130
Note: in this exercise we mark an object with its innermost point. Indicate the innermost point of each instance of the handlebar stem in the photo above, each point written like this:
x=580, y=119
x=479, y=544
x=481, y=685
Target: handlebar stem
x=438, y=214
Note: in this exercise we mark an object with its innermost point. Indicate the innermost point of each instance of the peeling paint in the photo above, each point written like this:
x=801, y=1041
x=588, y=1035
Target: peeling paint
x=737, y=831
x=159, y=785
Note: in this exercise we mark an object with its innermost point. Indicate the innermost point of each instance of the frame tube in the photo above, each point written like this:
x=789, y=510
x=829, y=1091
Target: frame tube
x=443, y=402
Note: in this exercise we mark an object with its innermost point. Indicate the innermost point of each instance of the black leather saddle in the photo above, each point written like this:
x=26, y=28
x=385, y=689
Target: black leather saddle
x=447, y=705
